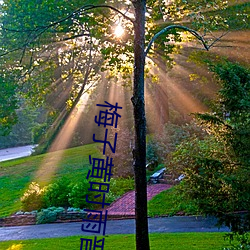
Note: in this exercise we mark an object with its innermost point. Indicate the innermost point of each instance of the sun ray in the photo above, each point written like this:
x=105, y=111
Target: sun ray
x=50, y=163
x=170, y=94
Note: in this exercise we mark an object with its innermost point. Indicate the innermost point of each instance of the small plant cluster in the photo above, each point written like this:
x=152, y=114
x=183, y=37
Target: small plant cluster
x=61, y=193
x=34, y=212
x=51, y=214
x=48, y=215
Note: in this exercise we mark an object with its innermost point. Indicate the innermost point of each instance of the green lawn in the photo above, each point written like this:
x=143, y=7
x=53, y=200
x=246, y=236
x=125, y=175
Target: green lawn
x=168, y=241
x=16, y=175
x=169, y=202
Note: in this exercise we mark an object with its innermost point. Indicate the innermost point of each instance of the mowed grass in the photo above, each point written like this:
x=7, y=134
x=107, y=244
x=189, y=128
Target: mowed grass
x=16, y=175
x=163, y=241
x=169, y=202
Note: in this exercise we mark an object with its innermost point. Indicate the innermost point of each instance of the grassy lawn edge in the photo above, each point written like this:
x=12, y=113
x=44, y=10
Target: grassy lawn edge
x=158, y=241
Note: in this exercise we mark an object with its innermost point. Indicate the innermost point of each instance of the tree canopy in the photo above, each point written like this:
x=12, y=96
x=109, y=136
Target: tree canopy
x=216, y=168
x=57, y=45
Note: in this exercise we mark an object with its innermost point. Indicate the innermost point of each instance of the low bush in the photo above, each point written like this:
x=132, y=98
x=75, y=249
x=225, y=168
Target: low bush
x=63, y=193
x=48, y=215
x=118, y=187
x=77, y=195
x=73, y=209
x=57, y=193
x=33, y=197
x=242, y=241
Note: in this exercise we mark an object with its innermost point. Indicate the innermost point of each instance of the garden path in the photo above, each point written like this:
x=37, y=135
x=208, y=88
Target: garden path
x=125, y=205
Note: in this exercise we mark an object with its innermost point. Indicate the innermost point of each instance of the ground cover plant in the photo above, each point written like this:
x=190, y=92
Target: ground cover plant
x=170, y=241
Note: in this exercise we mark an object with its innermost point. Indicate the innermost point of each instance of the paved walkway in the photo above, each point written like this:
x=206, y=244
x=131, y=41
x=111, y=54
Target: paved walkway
x=17, y=152
x=156, y=225
x=125, y=206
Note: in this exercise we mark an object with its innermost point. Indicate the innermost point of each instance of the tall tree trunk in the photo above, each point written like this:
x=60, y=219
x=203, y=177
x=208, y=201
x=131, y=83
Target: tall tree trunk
x=139, y=152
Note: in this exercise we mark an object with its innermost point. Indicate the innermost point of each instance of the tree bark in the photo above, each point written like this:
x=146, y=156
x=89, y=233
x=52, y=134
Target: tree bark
x=139, y=151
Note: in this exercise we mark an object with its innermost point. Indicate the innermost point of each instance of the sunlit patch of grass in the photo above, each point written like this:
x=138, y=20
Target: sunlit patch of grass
x=16, y=247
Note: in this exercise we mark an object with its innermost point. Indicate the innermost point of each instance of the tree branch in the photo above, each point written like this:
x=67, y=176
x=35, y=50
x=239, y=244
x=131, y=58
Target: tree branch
x=42, y=29
x=74, y=13
x=86, y=8
x=193, y=32
x=218, y=38
x=112, y=8
x=72, y=37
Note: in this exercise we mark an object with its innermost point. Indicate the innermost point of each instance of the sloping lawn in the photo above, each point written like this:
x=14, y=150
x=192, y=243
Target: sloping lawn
x=16, y=175
x=169, y=202
x=169, y=241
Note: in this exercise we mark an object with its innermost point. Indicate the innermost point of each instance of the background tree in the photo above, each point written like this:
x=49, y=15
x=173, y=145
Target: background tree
x=217, y=168
x=8, y=105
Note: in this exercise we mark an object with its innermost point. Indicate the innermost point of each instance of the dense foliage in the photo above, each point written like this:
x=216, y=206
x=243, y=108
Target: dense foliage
x=61, y=193
x=65, y=193
x=32, y=199
x=217, y=168
x=56, y=49
x=161, y=144
x=8, y=105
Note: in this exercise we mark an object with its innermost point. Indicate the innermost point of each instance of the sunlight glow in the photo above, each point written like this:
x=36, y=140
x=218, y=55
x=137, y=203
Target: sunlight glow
x=119, y=31
x=52, y=160
x=170, y=99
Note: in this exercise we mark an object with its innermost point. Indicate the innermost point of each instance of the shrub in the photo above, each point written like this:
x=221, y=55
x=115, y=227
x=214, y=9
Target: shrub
x=243, y=242
x=57, y=193
x=118, y=187
x=48, y=215
x=33, y=197
x=77, y=195
x=152, y=154
x=73, y=209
